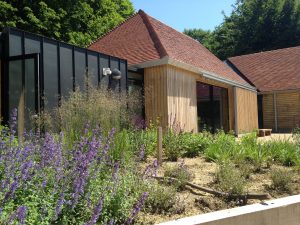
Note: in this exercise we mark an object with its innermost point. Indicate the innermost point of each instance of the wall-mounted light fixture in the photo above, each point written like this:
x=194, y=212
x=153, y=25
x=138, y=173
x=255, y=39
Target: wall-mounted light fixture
x=116, y=74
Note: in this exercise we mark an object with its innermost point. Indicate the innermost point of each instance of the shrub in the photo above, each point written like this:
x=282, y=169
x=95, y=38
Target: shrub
x=146, y=139
x=194, y=144
x=181, y=173
x=230, y=179
x=281, y=180
x=162, y=199
x=284, y=152
x=103, y=108
x=172, y=145
x=45, y=182
x=296, y=135
x=222, y=147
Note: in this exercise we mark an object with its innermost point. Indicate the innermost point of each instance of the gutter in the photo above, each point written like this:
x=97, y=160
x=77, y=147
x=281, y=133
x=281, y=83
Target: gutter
x=168, y=61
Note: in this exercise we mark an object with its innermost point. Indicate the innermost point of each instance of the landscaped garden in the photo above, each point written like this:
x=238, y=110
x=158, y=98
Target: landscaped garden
x=94, y=163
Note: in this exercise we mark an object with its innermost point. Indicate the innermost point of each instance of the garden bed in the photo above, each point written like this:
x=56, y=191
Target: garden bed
x=205, y=175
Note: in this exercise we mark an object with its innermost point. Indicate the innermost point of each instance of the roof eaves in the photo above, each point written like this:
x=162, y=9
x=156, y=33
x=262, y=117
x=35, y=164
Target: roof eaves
x=167, y=60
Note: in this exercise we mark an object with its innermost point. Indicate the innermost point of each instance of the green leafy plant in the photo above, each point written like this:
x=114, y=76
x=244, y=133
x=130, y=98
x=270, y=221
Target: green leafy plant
x=194, y=144
x=281, y=179
x=172, y=145
x=162, y=199
x=181, y=173
x=230, y=179
x=222, y=147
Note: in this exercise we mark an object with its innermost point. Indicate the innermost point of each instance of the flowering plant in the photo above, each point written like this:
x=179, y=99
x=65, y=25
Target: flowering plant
x=44, y=181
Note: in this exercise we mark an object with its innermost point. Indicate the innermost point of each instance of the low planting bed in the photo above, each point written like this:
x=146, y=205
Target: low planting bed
x=92, y=166
x=214, y=172
x=189, y=201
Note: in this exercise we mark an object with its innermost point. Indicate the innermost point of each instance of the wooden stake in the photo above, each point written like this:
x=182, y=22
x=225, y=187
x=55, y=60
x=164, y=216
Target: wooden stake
x=159, y=145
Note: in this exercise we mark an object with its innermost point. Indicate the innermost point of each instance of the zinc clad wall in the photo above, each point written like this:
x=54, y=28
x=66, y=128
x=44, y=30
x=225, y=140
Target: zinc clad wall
x=182, y=99
x=246, y=110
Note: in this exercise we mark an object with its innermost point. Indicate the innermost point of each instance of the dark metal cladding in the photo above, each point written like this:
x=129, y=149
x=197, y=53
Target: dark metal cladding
x=58, y=68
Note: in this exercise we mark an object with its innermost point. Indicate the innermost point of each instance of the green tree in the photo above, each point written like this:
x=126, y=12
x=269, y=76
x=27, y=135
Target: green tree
x=257, y=25
x=75, y=21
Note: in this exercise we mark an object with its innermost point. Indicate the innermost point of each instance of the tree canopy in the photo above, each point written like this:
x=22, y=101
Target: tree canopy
x=78, y=22
x=253, y=26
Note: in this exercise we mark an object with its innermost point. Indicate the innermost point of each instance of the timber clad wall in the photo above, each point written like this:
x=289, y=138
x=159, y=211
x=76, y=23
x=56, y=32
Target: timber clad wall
x=155, y=83
x=268, y=111
x=182, y=99
x=246, y=110
x=287, y=105
x=170, y=95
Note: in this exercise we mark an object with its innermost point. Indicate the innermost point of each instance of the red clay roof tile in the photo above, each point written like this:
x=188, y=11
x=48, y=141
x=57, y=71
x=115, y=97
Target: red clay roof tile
x=142, y=38
x=271, y=70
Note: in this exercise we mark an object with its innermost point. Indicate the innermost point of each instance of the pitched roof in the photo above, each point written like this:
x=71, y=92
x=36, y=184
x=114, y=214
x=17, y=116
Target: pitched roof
x=142, y=38
x=271, y=70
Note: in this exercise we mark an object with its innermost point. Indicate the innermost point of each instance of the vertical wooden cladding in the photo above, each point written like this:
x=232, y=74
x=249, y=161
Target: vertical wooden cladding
x=268, y=111
x=287, y=110
x=246, y=117
x=155, y=84
x=170, y=96
x=182, y=99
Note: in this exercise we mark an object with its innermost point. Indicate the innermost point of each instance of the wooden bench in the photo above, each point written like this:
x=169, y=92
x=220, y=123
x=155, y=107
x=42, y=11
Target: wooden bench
x=264, y=132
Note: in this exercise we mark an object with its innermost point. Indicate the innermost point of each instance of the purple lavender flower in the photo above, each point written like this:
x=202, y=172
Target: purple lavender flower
x=111, y=222
x=138, y=122
x=115, y=170
x=137, y=208
x=59, y=204
x=21, y=214
x=96, y=213
x=11, y=191
x=13, y=121
x=108, y=140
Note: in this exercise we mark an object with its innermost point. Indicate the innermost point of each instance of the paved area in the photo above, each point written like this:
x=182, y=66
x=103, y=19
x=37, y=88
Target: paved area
x=277, y=136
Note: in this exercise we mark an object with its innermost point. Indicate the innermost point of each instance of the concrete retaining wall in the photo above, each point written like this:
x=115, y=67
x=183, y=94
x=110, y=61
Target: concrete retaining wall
x=284, y=211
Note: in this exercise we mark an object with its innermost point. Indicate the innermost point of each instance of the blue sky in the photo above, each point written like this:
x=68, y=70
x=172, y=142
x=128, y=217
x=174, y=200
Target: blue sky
x=180, y=14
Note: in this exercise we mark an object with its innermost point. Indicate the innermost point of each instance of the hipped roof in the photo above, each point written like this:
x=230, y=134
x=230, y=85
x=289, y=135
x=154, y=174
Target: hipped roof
x=269, y=71
x=142, y=38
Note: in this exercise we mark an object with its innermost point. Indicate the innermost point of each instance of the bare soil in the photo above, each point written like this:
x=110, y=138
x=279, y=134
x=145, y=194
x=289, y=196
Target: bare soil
x=201, y=202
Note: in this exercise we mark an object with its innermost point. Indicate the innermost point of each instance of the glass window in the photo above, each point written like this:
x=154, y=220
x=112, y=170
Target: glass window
x=29, y=90
x=50, y=75
x=80, y=68
x=15, y=44
x=93, y=68
x=66, y=70
x=32, y=45
x=15, y=84
x=104, y=64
